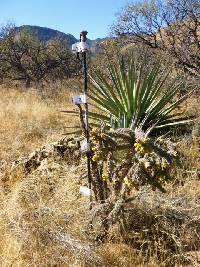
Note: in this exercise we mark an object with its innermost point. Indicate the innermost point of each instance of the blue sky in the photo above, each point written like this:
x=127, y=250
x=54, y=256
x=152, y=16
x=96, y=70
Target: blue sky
x=69, y=16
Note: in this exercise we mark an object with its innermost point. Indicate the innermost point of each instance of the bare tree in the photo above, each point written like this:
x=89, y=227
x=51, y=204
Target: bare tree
x=24, y=57
x=169, y=25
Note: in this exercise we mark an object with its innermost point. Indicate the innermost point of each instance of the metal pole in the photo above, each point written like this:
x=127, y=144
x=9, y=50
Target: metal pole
x=83, y=35
x=86, y=118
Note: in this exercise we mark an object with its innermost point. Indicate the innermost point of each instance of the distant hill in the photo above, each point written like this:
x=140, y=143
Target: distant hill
x=45, y=34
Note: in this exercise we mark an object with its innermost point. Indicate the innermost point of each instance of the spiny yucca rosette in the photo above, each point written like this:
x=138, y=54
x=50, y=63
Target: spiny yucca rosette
x=134, y=96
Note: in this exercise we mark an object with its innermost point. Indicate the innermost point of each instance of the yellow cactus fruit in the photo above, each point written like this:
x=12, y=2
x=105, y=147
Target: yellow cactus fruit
x=127, y=182
x=95, y=158
x=164, y=164
x=106, y=178
x=162, y=178
x=95, y=141
x=94, y=130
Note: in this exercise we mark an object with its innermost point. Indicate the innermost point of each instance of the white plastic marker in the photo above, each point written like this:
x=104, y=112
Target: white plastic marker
x=80, y=99
x=80, y=47
x=85, y=146
x=85, y=191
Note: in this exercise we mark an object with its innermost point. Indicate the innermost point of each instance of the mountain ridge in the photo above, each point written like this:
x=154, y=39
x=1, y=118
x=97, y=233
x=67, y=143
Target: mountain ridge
x=45, y=34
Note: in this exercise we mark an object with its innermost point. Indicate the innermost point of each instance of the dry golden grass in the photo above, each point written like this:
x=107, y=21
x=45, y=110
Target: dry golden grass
x=36, y=217
x=29, y=119
x=43, y=218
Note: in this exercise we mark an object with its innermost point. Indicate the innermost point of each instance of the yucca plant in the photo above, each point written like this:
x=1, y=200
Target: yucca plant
x=132, y=96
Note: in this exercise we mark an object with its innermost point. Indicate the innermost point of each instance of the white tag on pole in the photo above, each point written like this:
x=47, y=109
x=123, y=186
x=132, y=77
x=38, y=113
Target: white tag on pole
x=80, y=99
x=85, y=191
x=82, y=47
x=85, y=146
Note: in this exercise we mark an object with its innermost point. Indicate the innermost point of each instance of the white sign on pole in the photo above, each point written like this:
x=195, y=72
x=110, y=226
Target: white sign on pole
x=84, y=190
x=85, y=146
x=80, y=99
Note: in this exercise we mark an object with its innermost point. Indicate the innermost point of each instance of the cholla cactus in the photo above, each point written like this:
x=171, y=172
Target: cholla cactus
x=124, y=161
x=127, y=159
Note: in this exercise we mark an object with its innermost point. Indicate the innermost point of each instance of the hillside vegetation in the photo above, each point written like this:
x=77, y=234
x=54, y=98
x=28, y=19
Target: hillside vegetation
x=129, y=198
x=44, y=219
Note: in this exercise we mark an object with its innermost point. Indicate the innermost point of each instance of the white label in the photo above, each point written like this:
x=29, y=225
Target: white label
x=80, y=99
x=85, y=146
x=82, y=47
x=85, y=191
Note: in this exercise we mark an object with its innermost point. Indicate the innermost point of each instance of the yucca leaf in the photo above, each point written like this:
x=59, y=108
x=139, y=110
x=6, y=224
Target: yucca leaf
x=107, y=88
x=174, y=123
